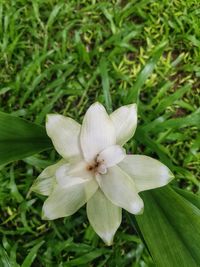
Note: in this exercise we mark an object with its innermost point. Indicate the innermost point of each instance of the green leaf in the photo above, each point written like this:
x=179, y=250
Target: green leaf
x=194, y=199
x=156, y=126
x=86, y=258
x=169, y=100
x=142, y=137
x=32, y=255
x=4, y=259
x=133, y=95
x=170, y=226
x=105, y=84
x=53, y=15
x=20, y=138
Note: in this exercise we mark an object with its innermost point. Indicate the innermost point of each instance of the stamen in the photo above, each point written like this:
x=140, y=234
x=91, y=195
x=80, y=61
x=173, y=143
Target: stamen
x=102, y=169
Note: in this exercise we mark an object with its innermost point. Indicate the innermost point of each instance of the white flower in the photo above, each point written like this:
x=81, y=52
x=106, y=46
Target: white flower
x=96, y=170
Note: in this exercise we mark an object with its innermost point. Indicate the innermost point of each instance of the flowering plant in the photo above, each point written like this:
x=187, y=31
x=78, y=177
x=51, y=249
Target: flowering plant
x=96, y=170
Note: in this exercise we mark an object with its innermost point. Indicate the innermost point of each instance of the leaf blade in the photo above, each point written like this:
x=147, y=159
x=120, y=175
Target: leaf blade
x=32, y=255
x=20, y=138
x=105, y=84
x=168, y=223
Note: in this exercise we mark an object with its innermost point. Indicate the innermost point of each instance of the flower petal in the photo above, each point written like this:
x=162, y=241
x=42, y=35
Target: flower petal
x=104, y=216
x=73, y=173
x=97, y=132
x=125, y=122
x=120, y=189
x=46, y=180
x=64, y=133
x=112, y=155
x=66, y=201
x=146, y=172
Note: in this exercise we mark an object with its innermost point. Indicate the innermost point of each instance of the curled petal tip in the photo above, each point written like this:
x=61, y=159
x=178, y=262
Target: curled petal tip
x=140, y=212
x=166, y=175
x=137, y=207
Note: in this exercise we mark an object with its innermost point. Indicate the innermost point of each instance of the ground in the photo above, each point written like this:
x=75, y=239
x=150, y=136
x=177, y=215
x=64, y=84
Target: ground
x=61, y=56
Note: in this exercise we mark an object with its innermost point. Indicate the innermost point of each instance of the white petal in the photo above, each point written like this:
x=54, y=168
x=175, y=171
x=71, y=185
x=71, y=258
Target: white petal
x=66, y=201
x=112, y=155
x=104, y=216
x=64, y=133
x=46, y=180
x=73, y=173
x=120, y=189
x=125, y=122
x=97, y=132
x=146, y=172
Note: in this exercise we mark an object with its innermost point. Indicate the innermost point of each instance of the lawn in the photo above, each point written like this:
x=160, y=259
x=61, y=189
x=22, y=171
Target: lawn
x=60, y=56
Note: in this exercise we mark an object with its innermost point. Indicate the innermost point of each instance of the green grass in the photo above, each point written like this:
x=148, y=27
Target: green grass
x=61, y=56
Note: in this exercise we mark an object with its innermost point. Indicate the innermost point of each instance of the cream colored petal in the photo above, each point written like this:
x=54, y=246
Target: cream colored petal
x=104, y=216
x=120, y=189
x=112, y=155
x=73, y=173
x=66, y=201
x=97, y=132
x=46, y=180
x=125, y=122
x=64, y=133
x=146, y=172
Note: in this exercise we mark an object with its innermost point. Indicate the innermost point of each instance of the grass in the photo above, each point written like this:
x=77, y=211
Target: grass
x=61, y=56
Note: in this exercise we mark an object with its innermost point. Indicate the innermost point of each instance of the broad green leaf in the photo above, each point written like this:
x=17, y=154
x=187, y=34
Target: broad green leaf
x=194, y=199
x=170, y=226
x=20, y=138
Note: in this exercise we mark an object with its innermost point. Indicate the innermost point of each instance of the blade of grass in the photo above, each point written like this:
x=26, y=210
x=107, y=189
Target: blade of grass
x=32, y=255
x=192, y=119
x=133, y=95
x=105, y=84
x=4, y=259
x=168, y=101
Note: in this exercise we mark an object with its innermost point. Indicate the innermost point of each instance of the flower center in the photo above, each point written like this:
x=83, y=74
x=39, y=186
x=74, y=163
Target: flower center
x=98, y=166
x=106, y=158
